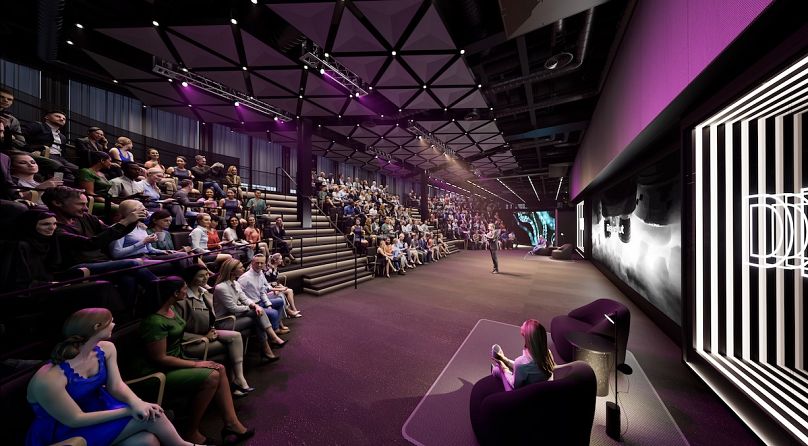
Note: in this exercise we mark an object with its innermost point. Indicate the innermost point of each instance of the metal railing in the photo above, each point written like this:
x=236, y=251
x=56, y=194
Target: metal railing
x=332, y=224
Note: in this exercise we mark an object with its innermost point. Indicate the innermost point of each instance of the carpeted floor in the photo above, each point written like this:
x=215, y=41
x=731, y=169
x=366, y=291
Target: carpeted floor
x=360, y=360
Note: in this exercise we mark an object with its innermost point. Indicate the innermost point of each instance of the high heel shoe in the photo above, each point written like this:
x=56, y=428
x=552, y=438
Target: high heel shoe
x=266, y=359
x=247, y=389
x=278, y=345
x=229, y=436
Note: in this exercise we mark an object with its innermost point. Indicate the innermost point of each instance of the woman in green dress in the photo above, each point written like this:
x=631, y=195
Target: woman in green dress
x=92, y=180
x=162, y=335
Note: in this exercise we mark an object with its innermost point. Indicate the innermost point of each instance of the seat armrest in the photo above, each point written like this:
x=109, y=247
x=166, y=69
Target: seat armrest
x=73, y=441
x=231, y=318
x=204, y=340
x=161, y=379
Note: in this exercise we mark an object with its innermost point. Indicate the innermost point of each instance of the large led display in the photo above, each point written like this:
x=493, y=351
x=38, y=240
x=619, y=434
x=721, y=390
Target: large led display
x=537, y=224
x=636, y=234
x=751, y=239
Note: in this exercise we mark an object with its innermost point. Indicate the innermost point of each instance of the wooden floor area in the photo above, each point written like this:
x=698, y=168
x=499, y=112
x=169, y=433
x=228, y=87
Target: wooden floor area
x=360, y=360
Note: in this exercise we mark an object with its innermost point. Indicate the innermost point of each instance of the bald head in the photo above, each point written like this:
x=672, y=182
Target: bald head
x=128, y=206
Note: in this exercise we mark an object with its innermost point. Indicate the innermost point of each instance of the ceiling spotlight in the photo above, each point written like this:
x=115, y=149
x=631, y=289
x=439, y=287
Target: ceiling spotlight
x=381, y=116
x=184, y=84
x=301, y=96
x=114, y=81
x=154, y=22
x=350, y=95
x=234, y=21
x=322, y=71
x=70, y=42
x=491, y=108
x=79, y=26
x=237, y=104
x=297, y=117
x=184, y=70
x=327, y=55
x=424, y=86
x=254, y=2
x=189, y=105
x=339, y=116
x=462, y=52
x=370, y=88
x=445, y=109
x=275, y=118
x=244, y=68
x=399, y=110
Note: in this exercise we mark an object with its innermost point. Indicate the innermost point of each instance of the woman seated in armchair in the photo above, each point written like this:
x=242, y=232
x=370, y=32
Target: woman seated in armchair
x=162, y=335
x=536, y=363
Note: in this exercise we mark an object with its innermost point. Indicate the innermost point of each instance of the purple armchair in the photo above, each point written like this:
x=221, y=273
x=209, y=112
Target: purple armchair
x=560, y=411
x=590, y=319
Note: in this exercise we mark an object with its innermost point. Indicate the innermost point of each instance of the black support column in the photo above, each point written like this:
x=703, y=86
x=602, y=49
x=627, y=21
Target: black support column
x=303, y=179
x=423, y=209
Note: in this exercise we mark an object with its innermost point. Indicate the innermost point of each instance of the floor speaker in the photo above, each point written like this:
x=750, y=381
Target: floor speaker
x=613, y=420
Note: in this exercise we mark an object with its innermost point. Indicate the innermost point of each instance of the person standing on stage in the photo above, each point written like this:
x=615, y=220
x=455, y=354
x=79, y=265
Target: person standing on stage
x=492, y=236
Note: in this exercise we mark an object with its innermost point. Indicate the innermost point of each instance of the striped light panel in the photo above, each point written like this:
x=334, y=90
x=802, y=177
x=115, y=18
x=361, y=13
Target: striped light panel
x=751, y=245
x=581, y=226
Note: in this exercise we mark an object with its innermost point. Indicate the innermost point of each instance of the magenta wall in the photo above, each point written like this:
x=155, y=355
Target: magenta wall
x=666, y=45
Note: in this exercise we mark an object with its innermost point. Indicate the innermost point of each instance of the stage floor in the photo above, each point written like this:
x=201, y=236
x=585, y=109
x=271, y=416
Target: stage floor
x=360, y=360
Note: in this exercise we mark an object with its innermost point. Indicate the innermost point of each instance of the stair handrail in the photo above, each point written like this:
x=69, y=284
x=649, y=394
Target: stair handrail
x=333, y=225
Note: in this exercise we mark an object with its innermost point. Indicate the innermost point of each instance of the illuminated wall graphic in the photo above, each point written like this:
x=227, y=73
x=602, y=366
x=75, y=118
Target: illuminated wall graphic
x=636, y=234
x=750, y=235
x=535, y=224
x=785, y=228
x=580, y=223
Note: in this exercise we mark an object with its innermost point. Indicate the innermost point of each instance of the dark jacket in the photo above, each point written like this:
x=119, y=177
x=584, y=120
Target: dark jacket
x=38, y=135
x=87, y=239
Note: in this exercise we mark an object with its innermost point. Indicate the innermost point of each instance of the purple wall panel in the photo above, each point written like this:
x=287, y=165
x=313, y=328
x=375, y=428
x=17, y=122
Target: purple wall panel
x=667, y=44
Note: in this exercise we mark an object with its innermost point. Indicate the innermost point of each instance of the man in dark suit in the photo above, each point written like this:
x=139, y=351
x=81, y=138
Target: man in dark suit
x=277, y=233
x=46, y=142
x=95, y=141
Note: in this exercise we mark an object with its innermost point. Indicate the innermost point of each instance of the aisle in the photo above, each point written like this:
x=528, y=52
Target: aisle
x=360, y=360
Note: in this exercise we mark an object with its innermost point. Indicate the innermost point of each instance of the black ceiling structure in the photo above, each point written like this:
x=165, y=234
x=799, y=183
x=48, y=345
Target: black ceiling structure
x=511, y=112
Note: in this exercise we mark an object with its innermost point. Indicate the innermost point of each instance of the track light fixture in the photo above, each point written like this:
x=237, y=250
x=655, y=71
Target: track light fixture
x=424, y=134
x=172, y=72
x=316, y=57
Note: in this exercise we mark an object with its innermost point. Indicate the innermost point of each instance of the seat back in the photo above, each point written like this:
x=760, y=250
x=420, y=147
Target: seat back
x=560, y=411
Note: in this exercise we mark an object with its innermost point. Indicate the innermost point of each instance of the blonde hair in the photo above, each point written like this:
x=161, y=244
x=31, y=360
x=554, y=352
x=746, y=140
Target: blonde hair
x=122, y=141
x=77, y=330
x=227, y=269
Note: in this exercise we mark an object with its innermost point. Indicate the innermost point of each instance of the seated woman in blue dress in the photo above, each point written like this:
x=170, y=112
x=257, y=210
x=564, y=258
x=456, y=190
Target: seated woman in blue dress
x=536, y=363
x=80, y=392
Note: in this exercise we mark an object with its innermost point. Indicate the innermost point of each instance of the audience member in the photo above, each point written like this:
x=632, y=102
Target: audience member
x=232, y=180
x=24, y=170
x=12, y=132
x=206, y=381
x=128, y=184
x=83, y=237
x=254, y=236
x=95, y=141
x=199, y=240
x=229, y=299
x=536, y=363
x=257, y=204
x=46, y=142
x=278, y=235
x=93, y=180
x=257, y=289
x=39, y=257
x=182, y=197
x=202, y=173
x=197, y=311
x=230, y=204
x=122, y=152
x=80, y=393
x=272, y=273
x=180, y=172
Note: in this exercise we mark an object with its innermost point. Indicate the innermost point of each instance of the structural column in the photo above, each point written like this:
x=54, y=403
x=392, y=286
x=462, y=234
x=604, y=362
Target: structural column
x=303, y=178
x=423, y=208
